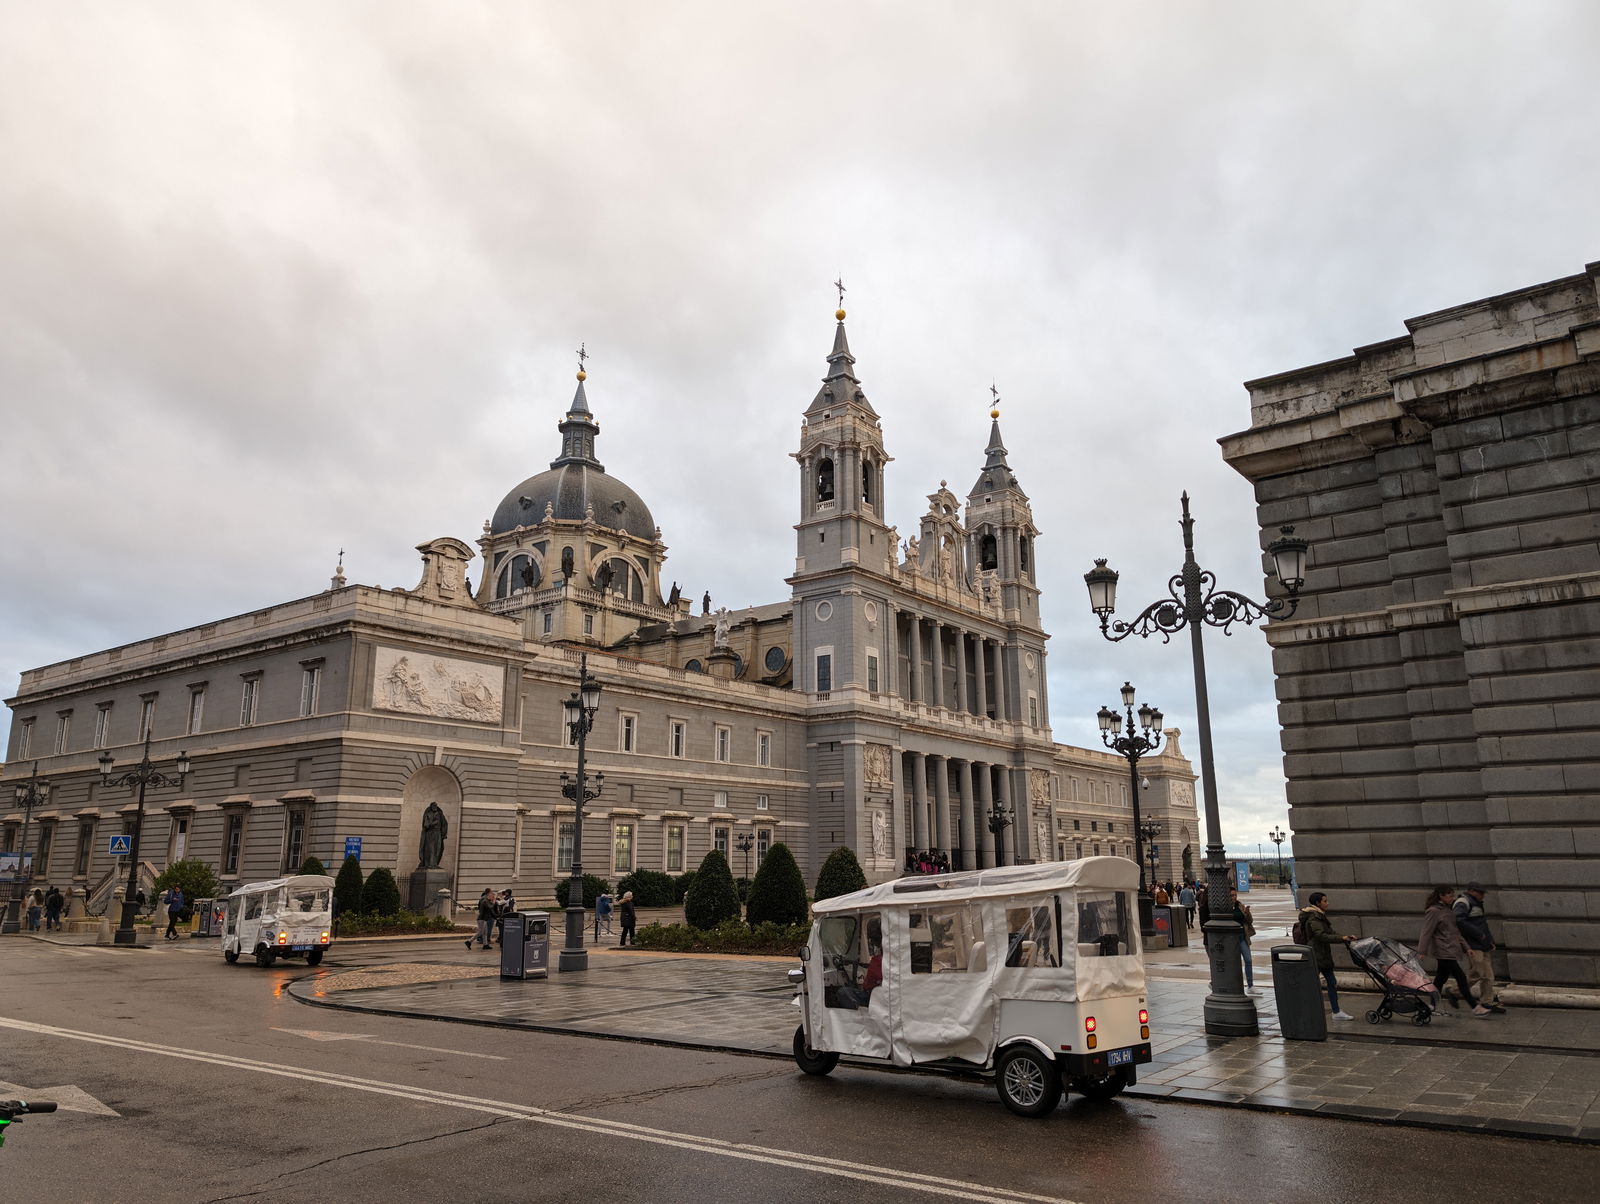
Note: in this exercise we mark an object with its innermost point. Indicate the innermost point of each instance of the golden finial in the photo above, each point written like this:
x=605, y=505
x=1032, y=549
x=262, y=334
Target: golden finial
x=839, y=284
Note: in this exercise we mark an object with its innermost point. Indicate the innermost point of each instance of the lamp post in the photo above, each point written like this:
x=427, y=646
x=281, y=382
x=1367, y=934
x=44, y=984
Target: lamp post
x=1150, y=830
x=578, y=711
x=1137, y=743
x=143, y=775
x=35, y=792
x=744, y=842
x=1000, y=818
x=1194, y=602
x=1277, y=836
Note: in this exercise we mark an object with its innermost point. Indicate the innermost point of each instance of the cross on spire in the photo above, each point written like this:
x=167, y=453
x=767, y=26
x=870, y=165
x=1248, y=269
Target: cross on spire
x=839, y=284
x=994, y=391
x=582, y=355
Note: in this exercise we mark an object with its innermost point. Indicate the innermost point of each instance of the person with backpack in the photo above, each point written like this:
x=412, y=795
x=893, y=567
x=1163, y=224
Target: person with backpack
x=1186, y=900
x=1314, y=929
x=174, y=904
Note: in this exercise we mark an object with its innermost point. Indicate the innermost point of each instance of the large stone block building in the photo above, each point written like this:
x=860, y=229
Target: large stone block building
x=887, y=704
x=1440, y=686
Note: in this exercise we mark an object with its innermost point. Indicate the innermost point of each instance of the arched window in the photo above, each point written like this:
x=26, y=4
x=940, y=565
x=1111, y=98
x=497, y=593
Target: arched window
x=521, y=573
x=867, y=471
x=825, y=480
x=988, y=553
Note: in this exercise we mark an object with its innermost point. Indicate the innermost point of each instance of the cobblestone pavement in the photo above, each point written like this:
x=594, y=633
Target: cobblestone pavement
x=1532, y=1071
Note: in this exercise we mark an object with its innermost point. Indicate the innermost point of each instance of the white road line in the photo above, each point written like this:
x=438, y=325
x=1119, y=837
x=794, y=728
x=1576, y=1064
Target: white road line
x=367, y=1039
x=789, y=1159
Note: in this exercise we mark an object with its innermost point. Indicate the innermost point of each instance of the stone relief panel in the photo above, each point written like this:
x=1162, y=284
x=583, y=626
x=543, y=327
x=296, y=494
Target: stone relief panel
x=878, y=766
x=419, y=684
x=1039, y=785
x=1182, y=794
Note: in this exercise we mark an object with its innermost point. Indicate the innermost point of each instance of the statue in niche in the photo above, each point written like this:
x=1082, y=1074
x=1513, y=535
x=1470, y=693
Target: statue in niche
x=435, y=827
x=566, y=563
x=602, y=579
x=672, y=598
x=880, y=834
x=528, y=574
x=719, y=637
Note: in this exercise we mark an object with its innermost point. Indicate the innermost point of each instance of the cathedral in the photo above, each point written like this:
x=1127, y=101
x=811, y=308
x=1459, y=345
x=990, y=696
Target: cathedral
x=895, y=700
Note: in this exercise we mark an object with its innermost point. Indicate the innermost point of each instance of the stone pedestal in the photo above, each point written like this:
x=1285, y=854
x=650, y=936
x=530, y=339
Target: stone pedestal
x=424, y=886
x=721, y=663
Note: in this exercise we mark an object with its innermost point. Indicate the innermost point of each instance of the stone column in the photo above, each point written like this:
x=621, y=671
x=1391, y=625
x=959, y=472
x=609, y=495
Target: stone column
x=918, y=693
x=936, y=695
x=919, y=800
x=941, y=802
x=961, y=670
x=1002, y=695
x=968, y=826
x=984, y=781
x=980, y=648
x=891, y=651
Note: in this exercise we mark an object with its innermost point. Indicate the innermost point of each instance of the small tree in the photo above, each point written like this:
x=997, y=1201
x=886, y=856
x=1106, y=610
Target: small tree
x=380, y=896
x=194, y=877
x=347, y=888
x=593, y=888
x=712, y=897
x=778, y=894
x=840, y=874
x=312, y=866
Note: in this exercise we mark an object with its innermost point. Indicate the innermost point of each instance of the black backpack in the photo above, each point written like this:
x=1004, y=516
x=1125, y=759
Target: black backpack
x=1298, y=933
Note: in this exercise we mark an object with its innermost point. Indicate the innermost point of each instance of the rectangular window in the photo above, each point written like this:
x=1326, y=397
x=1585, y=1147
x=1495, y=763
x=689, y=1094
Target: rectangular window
x=763, y=748
x=724, y=743
x=310, y=690
x=102, y=725
x=247, y=701
x=178, y=841
x=1094, y=825
x=824, y=672
x=719, y=840
x=294, y=847
x=1077, y=826
x=588, y=624
x=1096, y=847
x=232, y=842
x=763, y=844
x=1033, y=710
x=1110, y=826
x=41, y=852
x=622, y=848
x=565, y=831
x=1031, y=937
x=147, y=715
x=1107, y=924
x=677, y=738
x=25, y=740
x=197, y=708
x=548, y=621
x=719, y=798
x=674, y=843
x=872, y=672
x=762, y=803
x=63, y=730
x=627, y=732
x=943, y=941
x=85, y=846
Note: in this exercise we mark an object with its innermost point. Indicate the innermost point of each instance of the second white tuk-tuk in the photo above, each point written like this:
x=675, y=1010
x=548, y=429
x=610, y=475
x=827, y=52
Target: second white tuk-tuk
x=1033, y=972
x=286, y=917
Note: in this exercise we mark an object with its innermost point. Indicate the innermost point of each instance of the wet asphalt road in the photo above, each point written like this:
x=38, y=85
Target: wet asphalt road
x=229, y=1089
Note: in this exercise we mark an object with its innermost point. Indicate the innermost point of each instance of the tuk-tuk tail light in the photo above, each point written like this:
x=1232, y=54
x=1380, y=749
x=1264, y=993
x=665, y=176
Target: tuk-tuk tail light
x=1091, y=1041
x=283, y=938
x=1144, y=1024
x=1088, y=1025
x=1144, y=1016
x=324, y=938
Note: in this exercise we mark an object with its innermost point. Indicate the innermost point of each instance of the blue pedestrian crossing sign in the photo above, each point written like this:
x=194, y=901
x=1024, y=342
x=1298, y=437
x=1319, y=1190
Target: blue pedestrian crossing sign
x=120, y=846
x=352, y=847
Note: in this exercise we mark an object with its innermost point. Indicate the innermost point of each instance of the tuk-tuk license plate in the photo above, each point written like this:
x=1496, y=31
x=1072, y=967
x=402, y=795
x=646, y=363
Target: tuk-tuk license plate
x=1119, y=1057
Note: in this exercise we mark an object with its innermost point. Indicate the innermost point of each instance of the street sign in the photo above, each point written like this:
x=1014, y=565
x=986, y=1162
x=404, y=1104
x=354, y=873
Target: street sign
x=120, y=845
x=352, y=847
x=1242, y=871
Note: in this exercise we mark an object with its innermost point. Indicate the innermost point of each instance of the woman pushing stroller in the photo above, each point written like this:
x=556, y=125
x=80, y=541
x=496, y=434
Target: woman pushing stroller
x=1441, y=940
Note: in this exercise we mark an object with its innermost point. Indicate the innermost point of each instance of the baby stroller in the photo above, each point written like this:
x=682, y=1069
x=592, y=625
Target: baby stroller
x=1407, y=989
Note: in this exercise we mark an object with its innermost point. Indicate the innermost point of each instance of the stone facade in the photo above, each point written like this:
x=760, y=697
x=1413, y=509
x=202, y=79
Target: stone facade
x=895, y=695
x=1440, y=686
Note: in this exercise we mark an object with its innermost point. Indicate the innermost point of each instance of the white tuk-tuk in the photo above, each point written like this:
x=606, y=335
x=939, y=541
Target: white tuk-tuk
x=281, y=918
x=1031, y=971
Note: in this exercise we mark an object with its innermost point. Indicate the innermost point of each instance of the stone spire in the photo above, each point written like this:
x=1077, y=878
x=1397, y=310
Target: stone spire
x=578, y=428
x=996, y=472
x=841, y=385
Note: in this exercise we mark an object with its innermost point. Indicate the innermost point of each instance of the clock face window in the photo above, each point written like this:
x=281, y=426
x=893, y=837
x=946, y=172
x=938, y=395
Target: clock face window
x=775, y=659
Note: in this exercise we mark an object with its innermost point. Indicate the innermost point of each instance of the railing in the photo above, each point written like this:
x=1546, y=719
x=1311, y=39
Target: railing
x=99, y=897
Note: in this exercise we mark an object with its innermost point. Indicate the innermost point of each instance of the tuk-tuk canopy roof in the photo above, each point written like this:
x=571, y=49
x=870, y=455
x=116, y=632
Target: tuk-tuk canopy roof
x=1093, y=873
x=293, y=882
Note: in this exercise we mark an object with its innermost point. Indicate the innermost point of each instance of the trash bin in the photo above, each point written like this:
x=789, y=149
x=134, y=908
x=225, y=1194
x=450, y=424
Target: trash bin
x=525, y=945
x=1297, y=987
x=1161, y=927
x=204, y=910
x=1180, y=928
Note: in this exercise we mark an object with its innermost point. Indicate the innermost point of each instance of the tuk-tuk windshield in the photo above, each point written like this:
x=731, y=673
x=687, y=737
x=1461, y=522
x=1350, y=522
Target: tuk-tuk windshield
x=309, y=900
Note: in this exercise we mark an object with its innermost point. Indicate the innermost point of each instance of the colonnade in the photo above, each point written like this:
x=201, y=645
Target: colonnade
x=949, y=667
x=950, y=799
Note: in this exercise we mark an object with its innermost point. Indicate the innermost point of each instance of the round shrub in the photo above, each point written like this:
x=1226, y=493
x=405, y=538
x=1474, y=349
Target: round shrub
x=680, y=887
x=712, y=897
x=778, y=894
x=347, y=888
x=651, y=888
x=593, y=888
x=312, y=866
x=840, y=874
x=380, y=896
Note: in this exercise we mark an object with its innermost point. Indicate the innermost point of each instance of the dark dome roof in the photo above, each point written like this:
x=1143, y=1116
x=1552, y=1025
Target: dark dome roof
x=571, y=489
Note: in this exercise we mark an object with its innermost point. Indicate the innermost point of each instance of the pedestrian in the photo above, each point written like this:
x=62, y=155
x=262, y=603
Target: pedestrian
x=173, y=900
x=625, y=914
x=53, y=903
x=1316, y=930
x=503, y=906
x=1162, y=898
x=1186, y=901
x=602, y=916
x=1441, y=940
x=485, y=933
x=1246, y=920
x=1473, y=925
x=35, y=910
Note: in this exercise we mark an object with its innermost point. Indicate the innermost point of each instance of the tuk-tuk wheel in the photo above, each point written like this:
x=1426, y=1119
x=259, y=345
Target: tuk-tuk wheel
x=314, y=958
x=1106, y=1088
x=1027, y=1081
x=265, y=957
x=231, y=956
x=812, y=1061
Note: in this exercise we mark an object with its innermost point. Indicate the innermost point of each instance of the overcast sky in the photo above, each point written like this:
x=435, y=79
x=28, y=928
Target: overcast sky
x=277, y=279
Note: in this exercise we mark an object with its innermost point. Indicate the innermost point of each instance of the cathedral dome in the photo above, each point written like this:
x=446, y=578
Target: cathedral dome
x=570, y=489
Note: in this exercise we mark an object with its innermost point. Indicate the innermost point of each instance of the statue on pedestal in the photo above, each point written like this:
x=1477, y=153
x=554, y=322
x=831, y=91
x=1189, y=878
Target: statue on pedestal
x=434, y=829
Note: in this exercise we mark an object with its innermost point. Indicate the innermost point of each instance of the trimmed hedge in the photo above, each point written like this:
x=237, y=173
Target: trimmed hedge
x=347, y=889
x=731, y=936
x=712, y=897
x=399, y=924
x=651, y=888
x=778, y=894
x=680, y=887
x=593, y=888
x=380, y=896
x=840, y=874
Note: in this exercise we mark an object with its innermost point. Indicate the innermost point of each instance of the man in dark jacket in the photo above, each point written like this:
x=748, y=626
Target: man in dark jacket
x=1473, y=925
x=627, y=917
x=1319, y=934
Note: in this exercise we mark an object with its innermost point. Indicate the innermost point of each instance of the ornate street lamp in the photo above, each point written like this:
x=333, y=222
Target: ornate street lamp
x=1139, y=742
x=1151, y=831
x=1000, y=818
x=578, y=711
x=35, y=792
x=744, y=842
x=1277, y=836
x=142, y=775
x=1196, y=602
